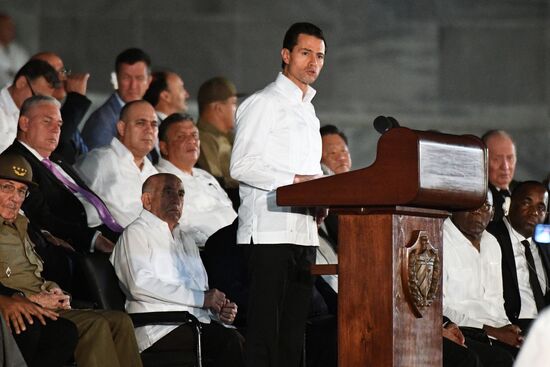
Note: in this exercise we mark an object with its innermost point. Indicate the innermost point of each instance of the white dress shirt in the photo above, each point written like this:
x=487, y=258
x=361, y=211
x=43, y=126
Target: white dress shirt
x=528, y=308
x=277, y=137
x=111, y=172
x=472, y=280
x=206, y=206
x=9, y=117
x=159, y=270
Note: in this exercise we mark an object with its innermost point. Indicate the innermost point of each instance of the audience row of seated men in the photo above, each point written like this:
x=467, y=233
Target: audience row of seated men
x=105, y=338
x=65, y=206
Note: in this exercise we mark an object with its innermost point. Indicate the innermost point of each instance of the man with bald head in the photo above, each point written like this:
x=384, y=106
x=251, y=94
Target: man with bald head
x=160, y=269
x=71, y=92
x=117, y=171
x=502, y=166
x=61, y=203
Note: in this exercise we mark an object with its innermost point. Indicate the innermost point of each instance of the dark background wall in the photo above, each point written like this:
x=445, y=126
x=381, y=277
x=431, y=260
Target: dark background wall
x=459, y=66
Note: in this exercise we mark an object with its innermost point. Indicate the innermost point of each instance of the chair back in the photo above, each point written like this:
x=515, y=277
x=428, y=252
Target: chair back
x=99, y=278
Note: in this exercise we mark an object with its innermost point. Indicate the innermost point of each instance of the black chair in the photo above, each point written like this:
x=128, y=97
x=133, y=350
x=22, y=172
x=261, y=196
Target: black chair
x=99, y=285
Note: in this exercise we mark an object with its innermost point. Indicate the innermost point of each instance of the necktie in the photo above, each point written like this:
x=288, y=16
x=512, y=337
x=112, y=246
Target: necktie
x=104, y=213
x=533, y=279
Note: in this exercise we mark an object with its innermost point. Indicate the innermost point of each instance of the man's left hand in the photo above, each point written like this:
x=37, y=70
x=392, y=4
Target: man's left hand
x=228, y=312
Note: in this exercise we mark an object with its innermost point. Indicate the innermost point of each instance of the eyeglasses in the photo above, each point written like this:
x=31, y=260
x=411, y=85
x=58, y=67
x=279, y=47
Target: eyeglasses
x=485, y=208
x=64, y=71
x=30, y=85
x=10, y=189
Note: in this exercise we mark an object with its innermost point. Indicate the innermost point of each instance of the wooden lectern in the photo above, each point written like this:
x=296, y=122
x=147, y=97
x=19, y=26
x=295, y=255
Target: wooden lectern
x=390, y=242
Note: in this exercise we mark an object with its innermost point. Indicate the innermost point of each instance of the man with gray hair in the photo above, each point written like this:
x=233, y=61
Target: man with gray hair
x=61, y=203
x=502, y=166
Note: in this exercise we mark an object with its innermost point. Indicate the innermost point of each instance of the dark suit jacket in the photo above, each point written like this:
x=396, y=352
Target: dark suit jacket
x=512, y=301
x=52, y=206
x=100, y=128
x=70, y=141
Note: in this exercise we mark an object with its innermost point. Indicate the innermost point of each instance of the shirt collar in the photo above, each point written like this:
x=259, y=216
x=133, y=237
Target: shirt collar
x=293, y=90
x=205, y=126
x=515, y=236
x=171, y=168
x=33, y=151
x=119, y=100
x=155, y=221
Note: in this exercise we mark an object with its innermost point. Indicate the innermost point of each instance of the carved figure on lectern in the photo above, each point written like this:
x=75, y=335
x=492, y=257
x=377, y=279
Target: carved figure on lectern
x=420, y=273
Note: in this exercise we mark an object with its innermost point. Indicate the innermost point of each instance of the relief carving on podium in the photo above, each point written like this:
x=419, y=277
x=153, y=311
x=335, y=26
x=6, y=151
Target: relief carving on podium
x=420, y=270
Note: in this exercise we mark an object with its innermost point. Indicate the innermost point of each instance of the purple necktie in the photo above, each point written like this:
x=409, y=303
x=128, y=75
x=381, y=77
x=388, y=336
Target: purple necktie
x=104, y=213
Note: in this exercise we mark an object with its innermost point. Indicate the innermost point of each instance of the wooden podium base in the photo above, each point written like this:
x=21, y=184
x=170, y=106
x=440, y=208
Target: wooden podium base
x=376, y=324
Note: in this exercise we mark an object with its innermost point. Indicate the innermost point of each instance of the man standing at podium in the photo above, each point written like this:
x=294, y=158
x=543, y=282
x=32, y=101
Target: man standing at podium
x=277, y=143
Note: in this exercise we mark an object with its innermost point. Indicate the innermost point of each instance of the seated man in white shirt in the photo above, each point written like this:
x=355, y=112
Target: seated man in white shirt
x=116, y=172
x=207, y=208
x=472, y=283
x=160, y=269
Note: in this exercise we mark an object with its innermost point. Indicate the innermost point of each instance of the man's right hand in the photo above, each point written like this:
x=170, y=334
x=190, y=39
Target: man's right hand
x=509, y=334
x=214, y=300
x=103, y=244
x=17, y=309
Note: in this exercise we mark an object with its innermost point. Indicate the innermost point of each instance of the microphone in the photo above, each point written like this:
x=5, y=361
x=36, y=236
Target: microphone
x=383, y=124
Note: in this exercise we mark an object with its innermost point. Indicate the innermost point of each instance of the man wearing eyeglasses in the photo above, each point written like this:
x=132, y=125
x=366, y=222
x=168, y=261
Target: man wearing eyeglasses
x=105, y=338
x=472, y=289
x=71, y=92
x=35, y=77
x=525, y=264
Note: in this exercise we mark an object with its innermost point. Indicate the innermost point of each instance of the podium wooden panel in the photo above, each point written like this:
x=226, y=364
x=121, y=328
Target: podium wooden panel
x=416, y=178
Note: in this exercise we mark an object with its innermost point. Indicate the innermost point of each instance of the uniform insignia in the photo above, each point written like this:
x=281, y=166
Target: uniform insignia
x=8, y=272
x=19, y=171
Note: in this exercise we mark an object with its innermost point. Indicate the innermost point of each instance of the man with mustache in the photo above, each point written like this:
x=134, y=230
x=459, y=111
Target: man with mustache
x=117, y=171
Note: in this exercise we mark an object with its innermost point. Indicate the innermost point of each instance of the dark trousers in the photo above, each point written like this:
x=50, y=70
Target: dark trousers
x=220, y=346
x=477, y=354
x=47, y=346
x=280, y=295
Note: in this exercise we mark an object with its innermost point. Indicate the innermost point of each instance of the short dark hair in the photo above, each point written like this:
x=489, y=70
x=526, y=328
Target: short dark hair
x=157, y=86
x=150, y=182
x=131, y=56
x=333, y=130
x=35, y=69
x=171, y=120
x=291, y=35
x=523, y=186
